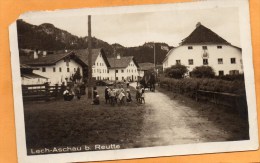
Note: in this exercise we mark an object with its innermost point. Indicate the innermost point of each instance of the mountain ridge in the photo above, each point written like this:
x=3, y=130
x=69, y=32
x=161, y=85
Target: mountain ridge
x=50, y=38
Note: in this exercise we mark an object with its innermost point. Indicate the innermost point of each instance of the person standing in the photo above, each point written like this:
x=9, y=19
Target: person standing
x=107, y=94
x=128, y=96
x=142, y=95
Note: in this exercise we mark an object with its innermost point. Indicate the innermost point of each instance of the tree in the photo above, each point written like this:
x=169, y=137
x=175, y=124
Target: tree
x=176, y=71
x=203, y=72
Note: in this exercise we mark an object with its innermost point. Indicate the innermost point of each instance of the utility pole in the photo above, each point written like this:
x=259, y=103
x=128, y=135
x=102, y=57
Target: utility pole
x=115, y=63
x=154, y=57
x=89, y=59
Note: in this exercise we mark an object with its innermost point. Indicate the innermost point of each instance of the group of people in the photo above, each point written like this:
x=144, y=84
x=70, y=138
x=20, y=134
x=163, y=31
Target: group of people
x=118, y=95
x=70, y=92
x=113, y=95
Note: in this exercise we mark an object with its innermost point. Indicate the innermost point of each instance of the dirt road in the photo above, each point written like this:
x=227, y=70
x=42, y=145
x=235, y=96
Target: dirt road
x=169, y=122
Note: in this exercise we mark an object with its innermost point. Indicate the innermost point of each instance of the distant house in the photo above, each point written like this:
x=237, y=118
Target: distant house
x=30, y=78
x=100, y=63
x=143, y=67
x=204, y=47
x=123, y=68
x=57, y=67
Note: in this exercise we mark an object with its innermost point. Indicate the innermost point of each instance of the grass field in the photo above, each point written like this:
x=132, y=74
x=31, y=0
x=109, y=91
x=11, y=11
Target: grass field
x=77, y=122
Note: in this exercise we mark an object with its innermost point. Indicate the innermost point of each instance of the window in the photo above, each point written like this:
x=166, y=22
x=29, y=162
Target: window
x=97, y=63
x=221, y=73
x=122, y=71
x=68, y=69
x=43, y=69
x=233, y=60
x=54, y=69
x=219, y=47
x=132, y=71
x=75, y=69
x=178, y=62
x=190, y=61
x=116, y=71
x=233, y=72
x=60, y=69
x=204, y=47
x=107, y=71
x=205, y=62
x=116, y=78
x=190, y=47
x=220, y=61
x=122, y=78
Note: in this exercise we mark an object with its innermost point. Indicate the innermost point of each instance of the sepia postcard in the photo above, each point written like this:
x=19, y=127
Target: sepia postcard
x=130, y=82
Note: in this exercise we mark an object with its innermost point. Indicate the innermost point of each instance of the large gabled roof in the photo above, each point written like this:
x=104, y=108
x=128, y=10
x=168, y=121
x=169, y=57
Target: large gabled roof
x=146, y=66
x=49, y=59
x=123, y=62
x=83, y=55
x=202, y=35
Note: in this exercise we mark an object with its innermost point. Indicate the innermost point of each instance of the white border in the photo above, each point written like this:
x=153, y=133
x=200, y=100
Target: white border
x=213, y=147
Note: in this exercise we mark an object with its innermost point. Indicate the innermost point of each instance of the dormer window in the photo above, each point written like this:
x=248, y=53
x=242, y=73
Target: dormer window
x=190, y=47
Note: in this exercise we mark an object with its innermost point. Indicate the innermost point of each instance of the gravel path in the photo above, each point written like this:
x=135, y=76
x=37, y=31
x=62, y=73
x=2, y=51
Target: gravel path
x=168, y=122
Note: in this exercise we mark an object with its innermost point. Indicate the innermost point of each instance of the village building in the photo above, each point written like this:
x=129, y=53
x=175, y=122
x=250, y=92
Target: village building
x=100, y=63
x=123, y=68
x=143, y=67
x=204, y=47
x=58, y=67
x=30, y=78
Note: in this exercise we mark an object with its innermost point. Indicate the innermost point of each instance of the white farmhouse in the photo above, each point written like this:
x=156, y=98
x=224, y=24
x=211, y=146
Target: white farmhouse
x=57, y=67
x=30, y=78
x=123, y=68
x=204, y=47
x=100, y=63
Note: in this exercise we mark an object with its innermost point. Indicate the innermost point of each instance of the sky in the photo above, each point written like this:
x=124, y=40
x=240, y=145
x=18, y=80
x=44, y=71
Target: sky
x=134, y=29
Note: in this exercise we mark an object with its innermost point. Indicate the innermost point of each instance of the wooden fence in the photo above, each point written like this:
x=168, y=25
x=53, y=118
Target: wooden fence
x=41, y=91
x=235, y=101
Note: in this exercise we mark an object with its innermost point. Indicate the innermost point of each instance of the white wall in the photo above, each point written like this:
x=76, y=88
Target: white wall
x=27, y=81
x=226, y=53
x=128, y=73
x=58, y=77
x=99, y=69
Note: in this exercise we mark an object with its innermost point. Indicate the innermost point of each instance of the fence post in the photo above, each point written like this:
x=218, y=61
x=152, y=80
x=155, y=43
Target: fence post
x=56, y=90
x=46, y=91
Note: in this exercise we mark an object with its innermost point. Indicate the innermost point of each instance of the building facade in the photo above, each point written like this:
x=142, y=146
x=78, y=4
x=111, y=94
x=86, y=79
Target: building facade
x=123, y=68
x=100, y=63
x=29, y=77
x=57, y=67
x=203, y=47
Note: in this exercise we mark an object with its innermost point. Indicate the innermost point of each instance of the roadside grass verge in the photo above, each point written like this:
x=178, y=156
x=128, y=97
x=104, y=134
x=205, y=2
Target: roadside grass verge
x=77, y=122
